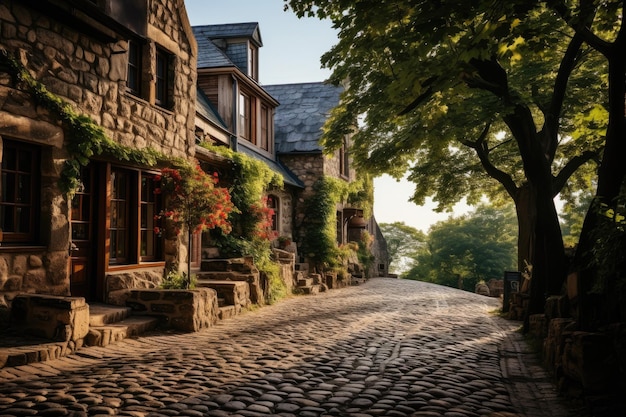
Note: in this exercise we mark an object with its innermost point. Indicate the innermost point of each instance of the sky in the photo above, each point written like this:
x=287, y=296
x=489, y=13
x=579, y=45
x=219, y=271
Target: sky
x=291, y=53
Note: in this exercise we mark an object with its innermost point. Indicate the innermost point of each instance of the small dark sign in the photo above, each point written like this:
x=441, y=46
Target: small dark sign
x=512, y=281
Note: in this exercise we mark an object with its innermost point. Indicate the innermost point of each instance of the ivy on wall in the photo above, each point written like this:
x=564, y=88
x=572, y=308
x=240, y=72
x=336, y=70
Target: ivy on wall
x=251, y=179
x=319, y=225
x=320, y=220
x=84, y=137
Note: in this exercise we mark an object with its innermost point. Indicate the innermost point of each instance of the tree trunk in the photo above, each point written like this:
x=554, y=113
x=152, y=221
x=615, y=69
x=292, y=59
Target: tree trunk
x=611, y=181
x=540, y=243
x=525, y=207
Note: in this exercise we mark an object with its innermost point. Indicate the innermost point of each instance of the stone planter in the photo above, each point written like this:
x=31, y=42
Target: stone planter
x=185, y=310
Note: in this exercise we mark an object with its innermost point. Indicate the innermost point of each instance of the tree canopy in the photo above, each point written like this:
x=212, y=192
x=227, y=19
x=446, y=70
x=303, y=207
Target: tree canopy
x=433, y=83
x=475, y=247
x=403, y=243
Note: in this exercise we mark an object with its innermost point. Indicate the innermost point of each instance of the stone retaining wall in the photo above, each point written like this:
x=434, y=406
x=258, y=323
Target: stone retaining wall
x=185, y=310
x=119, y=285
x=64, y=319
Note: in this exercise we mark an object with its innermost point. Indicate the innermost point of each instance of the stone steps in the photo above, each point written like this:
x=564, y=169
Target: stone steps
x=107, y=324
x=113, y=332
x=310, y=289
x=103, y=314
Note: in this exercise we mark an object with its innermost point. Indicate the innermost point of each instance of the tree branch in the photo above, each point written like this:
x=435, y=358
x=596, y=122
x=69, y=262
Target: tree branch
x=553, y=113
x=482, y=151
x=429, y=90
x=578, y=23
x=572, y=165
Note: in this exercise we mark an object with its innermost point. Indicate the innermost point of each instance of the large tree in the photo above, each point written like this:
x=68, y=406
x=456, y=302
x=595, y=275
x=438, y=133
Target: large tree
x=600, y=256
x=465, y=250
x=403, y=242
x=477, y=98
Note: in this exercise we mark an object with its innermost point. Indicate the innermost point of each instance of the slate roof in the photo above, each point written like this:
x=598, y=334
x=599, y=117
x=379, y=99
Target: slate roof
x=302, y=112
x=232, y=30
x=210, y=55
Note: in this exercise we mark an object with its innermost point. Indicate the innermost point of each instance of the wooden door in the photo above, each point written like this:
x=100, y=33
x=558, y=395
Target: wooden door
x=83, y=220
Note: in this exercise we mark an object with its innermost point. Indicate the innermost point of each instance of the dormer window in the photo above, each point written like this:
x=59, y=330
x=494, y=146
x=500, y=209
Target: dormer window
x=253, y=68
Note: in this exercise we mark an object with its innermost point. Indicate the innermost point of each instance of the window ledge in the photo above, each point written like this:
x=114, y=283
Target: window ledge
x=6, y=247
x=117, y=268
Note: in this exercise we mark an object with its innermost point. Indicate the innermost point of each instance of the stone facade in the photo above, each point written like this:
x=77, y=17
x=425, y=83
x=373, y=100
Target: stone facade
x=85, y=64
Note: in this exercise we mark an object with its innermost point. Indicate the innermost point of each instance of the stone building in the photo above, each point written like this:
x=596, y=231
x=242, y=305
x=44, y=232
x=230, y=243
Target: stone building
x=299, y=119
x=228, y=79
x=279, y=125
x=130, y=66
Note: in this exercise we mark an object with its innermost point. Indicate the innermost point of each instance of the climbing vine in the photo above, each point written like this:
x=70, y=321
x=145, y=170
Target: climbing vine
x=251, y=234
x=361, y=193
x=320, y=220
x=85, y=138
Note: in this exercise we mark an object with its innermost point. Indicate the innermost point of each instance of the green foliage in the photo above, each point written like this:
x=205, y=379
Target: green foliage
x=607, y=254
x=85, y=138
x=251, y=180
x=364, y=252
x=361, y=193
x=174, y=280
x=475, y=247
x=403, y=244
x=320, y=220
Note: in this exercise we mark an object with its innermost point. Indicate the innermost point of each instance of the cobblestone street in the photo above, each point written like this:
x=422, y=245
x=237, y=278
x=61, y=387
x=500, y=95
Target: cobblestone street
x=386, y=348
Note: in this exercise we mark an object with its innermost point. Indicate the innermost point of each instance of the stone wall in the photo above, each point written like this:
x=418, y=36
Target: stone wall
x=119, y=285
x=185, y=310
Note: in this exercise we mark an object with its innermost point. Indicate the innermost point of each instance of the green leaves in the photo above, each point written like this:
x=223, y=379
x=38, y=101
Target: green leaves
x=419, y=92
x=475, y=247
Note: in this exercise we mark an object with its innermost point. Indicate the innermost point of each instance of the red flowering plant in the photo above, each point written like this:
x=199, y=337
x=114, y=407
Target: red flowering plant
x=193, y=201
x=264, y=216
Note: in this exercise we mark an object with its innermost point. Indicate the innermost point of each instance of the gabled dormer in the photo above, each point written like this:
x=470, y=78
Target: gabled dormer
x=228, y=76
x=239, y=42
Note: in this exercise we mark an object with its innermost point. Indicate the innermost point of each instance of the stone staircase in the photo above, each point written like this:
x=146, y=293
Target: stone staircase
x=109, y=324
x=310, y=285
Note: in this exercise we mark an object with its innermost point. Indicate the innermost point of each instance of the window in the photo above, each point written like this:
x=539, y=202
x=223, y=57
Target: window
x=163, y=87
x=265, y=142
x=82, y=207
x=132, y=238
x=344, y=166
x=133, y=79
x=245, y=121
x=119, y=230
x=19, y=208
x=148, y=239
x=252, y=62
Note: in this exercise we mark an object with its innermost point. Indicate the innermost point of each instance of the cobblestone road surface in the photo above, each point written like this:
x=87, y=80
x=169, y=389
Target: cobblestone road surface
x=386, y=348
